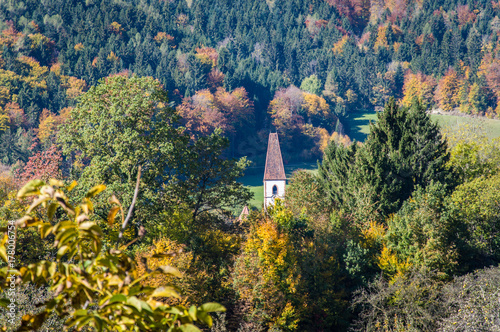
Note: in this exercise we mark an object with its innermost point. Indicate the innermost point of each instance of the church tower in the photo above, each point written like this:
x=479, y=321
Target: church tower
x=274, y=174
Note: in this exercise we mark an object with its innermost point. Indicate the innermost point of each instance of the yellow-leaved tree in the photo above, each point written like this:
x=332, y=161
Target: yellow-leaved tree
x=266, y=274
x=418, y=86
x=447, y=92
x=91, y=286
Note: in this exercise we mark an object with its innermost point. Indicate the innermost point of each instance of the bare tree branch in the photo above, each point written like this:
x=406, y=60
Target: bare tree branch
x=129, y=214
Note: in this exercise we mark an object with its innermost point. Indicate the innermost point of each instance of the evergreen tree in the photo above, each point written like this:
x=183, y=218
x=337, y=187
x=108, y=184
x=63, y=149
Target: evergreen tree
x=404, y=149
x=474, y=53
x=334, y=171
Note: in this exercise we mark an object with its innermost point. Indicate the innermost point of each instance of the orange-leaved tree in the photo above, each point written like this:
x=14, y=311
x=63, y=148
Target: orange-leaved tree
x=447, y=92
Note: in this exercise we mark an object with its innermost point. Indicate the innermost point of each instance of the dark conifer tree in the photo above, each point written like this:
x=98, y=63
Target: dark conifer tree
x=404, y=149
x=334, y=171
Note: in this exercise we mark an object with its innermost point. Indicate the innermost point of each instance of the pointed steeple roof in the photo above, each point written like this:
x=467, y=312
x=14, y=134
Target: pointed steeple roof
x=244, y=213
x=274, y=163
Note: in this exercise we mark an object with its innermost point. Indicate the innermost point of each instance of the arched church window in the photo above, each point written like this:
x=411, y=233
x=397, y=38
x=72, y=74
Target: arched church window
x=275, y=190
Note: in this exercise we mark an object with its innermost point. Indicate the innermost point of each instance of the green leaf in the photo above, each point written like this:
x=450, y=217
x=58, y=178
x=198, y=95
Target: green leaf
x=98, y=323
x=4, y=302
x=45, y=229
x=145, y=307
x=80, y=312
x=31, y=188
x=170, y=270
x=205, y=317
x=189, y=328
x=174, y=310
x=79, y=322
x=212, y=307
x=165, y=291
x=135, y=302
x=118, y=298
x=96, y=190
x=192, y=312
x=68, y=234
x=51, y=210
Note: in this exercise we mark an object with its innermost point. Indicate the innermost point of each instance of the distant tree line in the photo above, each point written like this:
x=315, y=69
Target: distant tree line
x=348, y=55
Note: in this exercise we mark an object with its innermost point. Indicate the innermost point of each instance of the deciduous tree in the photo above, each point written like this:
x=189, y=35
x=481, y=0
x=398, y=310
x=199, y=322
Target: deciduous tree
x=90, y=286
x=119, y=125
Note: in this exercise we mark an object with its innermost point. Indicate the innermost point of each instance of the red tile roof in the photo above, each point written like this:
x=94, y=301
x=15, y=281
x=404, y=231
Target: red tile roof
x=274, y=163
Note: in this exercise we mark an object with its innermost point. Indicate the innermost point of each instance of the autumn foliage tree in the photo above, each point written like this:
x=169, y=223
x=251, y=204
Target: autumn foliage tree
x=266, y=277
x=42, y=165
x=285, y=108
x=49, y=125
x=490, y=69
x=357, y=11
x=119, y=125
x=205, y=111
x=91, y=287
x=125, y=123
x=447, y=91
x=302, y=119
x=418, y=87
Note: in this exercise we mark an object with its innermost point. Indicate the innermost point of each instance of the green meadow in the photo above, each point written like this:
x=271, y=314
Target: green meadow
x=358, y=124
x=491, y=127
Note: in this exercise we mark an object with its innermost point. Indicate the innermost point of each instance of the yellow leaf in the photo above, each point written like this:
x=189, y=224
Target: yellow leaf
x=112, y=214
x=170, y=270
x=30, y=189
x=37, y=202
x=3, y=254
x=71, y=186
x=54, y=182
x=96, y=190
x=165, y=292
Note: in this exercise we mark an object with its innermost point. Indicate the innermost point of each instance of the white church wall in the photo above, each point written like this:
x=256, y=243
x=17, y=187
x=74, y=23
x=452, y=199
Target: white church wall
x=268, y=190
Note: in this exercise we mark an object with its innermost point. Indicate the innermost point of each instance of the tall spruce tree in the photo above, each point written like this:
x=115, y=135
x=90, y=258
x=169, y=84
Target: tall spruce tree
x=334, y=171
x=404, y=149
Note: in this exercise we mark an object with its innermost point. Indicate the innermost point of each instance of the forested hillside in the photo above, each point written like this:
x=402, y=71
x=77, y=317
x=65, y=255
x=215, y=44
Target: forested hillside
x=341, y=55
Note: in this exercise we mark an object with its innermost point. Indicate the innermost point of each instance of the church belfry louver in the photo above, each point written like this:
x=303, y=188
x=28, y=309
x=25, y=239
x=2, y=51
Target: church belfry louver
x=274, y=173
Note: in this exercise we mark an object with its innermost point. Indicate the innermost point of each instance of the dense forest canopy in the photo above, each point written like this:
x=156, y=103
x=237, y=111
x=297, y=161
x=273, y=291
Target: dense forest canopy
x=337, y=57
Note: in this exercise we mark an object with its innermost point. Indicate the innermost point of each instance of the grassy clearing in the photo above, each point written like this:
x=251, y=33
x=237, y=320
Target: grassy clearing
x=358, y=124
x=491, y=127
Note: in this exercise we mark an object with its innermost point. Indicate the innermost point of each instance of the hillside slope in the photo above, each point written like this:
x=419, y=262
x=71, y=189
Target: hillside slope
x=352, y=54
